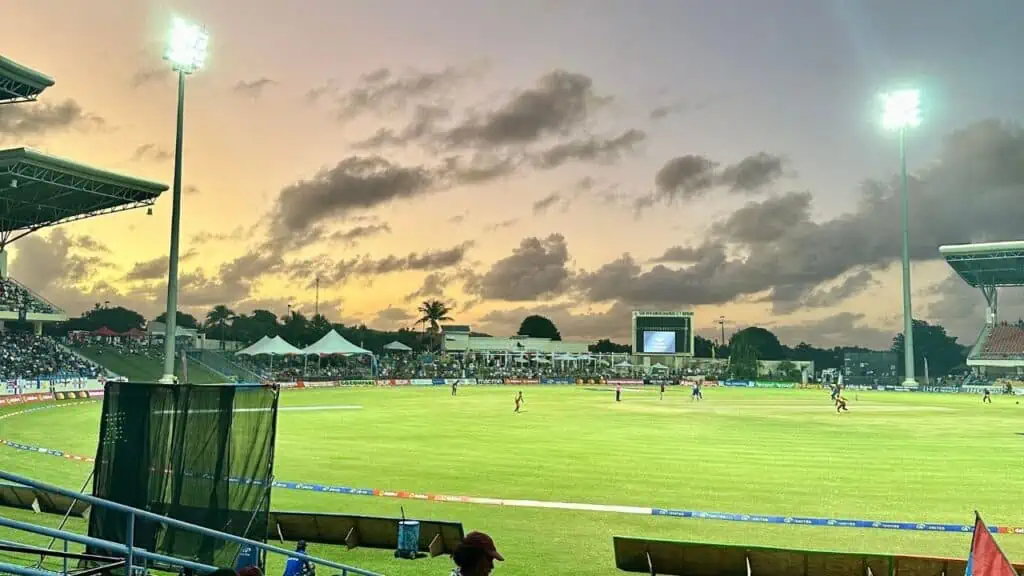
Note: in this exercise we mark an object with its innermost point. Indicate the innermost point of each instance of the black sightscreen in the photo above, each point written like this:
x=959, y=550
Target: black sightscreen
x=201, y=454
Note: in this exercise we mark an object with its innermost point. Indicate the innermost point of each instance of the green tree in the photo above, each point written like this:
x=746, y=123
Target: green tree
x=743, y=360
x=537, y=326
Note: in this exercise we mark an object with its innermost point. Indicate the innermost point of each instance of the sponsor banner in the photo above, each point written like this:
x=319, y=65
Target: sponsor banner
x=981, y=389
x=590, y=381
x=24, y=399
x=739, y=383
x=941, y=389
x=490, y=381
x=459, y=381
x=557, y=380
x=394, y=382
x=354, y=383
x=760, y=384
x=624, y=382
x=422, y=381
x=438, y=382
x=521, y=381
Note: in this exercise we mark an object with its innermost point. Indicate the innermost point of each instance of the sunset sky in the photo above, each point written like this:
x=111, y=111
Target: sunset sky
x=574, y=158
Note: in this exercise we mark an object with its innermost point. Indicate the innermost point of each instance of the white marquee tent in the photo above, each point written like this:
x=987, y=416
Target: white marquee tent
x=397, y=346
x=333, y=343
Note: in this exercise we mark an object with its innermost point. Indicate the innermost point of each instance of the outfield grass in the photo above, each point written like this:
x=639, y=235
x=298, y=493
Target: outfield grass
x=909, y=457
x=139, y=368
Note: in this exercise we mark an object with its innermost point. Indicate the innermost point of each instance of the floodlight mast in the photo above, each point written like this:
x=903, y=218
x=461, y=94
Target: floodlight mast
x=186, y=51
x=902, y=110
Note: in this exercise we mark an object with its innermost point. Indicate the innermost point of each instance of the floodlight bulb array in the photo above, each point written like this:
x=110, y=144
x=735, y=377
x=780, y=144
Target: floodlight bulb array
x=186, y=49
x=902, y=109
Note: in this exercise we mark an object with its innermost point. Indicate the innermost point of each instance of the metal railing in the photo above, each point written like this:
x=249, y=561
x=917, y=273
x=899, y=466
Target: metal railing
x=128, y=549
x=221, y=364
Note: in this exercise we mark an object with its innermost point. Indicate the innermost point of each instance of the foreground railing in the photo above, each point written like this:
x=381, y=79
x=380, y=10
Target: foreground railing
x=131, y=552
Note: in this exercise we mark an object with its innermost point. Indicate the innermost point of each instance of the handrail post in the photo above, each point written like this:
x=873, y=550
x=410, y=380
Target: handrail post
x=129, y=541
x=65, y=556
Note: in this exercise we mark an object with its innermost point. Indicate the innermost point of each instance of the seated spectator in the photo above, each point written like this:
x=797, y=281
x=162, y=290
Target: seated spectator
x=475, y=555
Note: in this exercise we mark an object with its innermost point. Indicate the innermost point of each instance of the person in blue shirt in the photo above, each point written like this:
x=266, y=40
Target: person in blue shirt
x=296, y=567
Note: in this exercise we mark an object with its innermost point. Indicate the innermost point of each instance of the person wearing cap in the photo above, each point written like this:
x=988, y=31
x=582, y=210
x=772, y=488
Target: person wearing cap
x=475, y=555
x=295, y=566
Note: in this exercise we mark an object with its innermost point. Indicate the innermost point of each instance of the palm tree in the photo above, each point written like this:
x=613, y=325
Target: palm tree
x=433, y=312
x=219, y=318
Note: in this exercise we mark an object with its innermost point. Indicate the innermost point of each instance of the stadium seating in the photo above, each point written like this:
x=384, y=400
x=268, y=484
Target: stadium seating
x=1003, y=341
x=27, y=356
x=16, y=298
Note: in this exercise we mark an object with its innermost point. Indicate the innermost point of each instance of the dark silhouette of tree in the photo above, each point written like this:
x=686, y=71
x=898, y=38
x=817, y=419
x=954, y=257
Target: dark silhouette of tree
x=536, y=326
x=931, y=342
x=764, y=343
x=606, y=346
x=218, y=320
x=183, y=320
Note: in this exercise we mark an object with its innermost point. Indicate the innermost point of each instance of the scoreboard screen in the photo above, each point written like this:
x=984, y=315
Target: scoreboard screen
x=667, y=333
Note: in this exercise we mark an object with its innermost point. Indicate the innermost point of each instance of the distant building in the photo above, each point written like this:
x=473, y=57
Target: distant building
x=461, y=339
x=870, y=368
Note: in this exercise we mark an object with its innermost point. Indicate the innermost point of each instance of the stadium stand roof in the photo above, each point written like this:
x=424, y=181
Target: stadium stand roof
x=20, y=84
x=38, y=190
x=992, y=264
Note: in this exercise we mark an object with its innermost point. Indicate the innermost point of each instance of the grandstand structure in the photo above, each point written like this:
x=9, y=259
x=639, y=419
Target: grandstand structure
x=38, y=191
x=999, y=349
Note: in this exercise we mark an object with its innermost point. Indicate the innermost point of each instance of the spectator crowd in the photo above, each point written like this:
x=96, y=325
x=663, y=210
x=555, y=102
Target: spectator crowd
x=24, y=355
x=16, y=298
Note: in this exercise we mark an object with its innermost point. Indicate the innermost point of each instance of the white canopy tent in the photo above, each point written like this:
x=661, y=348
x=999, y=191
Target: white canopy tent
x=333, y=343
x=255, y=349
x=397, y=346
x=275, y=346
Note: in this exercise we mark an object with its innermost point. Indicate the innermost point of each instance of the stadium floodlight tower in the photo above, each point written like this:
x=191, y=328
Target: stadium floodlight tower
x=902, y=111
x=186, y=51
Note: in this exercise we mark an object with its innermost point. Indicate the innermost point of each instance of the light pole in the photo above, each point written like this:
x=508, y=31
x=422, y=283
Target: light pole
x=903, y=111
x=186, y=51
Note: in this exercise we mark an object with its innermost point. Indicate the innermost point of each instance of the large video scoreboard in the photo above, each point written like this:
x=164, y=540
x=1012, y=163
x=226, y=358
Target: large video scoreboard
x=663, y=333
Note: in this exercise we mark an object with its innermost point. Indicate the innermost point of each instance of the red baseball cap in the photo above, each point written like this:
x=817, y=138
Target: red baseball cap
x=483, y=542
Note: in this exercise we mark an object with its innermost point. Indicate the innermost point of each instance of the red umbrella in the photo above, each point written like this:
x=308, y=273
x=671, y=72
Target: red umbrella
x=104, y=331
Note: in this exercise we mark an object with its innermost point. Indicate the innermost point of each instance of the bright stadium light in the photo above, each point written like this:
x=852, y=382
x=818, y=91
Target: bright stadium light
x=186, y=48
x=186, y=51
x=902, y=110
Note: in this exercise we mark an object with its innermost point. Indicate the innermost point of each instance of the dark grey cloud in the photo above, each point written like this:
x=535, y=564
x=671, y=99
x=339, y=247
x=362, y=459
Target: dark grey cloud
x=687, y=254
x=386, y=91
x=233, y=281
x=151, y=153
x=544, y=204
x=423, y=126
x=823, y=297
x=433, y=286
x=501, y=225
x=153, y=269
x=63, y=268
x=155, y=74
x=592, y=325
x=559, y=103
x=971, y=193
x=392, y=318
x=253, y=88
x=753, y=173
x=354, y=183
x=841, y=329
x=767, y=220
x=536, y=269
x=686, y=177
x=664, y=111
x=351, y=235
x=592, y=149
x=366, y=266
x=39, y=118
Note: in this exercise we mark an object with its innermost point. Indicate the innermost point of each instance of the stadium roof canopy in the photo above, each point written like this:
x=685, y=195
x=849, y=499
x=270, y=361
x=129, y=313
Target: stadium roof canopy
x=988, y=265
x=38, y=190
x=20, y=84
